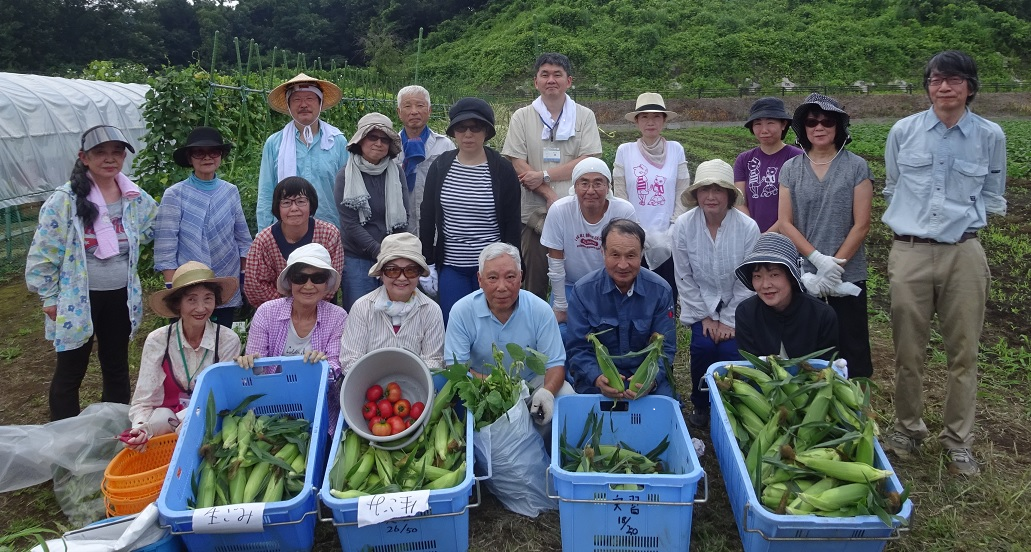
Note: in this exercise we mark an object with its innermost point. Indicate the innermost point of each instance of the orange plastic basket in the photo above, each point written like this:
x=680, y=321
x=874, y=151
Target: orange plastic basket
x=133, y=473
x=115, y=506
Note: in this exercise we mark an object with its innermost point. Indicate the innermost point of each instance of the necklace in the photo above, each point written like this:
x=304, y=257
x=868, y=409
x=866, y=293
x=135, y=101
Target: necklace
x=821, y=163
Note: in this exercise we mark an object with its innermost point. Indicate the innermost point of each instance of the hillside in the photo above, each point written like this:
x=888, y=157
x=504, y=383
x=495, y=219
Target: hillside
x=704, y=43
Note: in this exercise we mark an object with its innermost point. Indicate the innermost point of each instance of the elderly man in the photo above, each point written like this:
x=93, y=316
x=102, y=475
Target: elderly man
x=945, y=171
x=626, y=302
x=307, y=146
x=420, y=146
x=572, y=231
x=501, y=313
x=545, y=141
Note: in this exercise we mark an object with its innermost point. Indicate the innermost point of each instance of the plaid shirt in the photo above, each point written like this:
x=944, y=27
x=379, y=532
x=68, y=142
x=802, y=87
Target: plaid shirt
x=265, y=261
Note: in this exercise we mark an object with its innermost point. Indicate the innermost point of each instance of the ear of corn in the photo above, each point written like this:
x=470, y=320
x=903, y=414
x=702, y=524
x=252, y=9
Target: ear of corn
x=608, y=368
x=838, y=497
x=643, y=379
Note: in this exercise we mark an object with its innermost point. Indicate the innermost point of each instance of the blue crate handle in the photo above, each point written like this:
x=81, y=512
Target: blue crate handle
x=263, y=525
x=896, y=532
x=616, y=481
x=318, y=506
x=276, y=361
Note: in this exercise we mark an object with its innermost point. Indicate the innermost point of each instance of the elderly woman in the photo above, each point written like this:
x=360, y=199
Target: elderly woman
x=174, y=355
x=395, y=314
x=302, y=322
x=781, y=319
x=84, y=263
x=709, y=242
x=372, y=198
x=471, y=201
x=826, y=196
x=294, y=202
x=652, y=174
x=201, y=219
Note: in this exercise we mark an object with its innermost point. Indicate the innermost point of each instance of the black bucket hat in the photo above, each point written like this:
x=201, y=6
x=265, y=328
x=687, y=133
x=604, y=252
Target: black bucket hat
x=200, y=137
x=768, y=108
x=471, y=108
x=831, y=107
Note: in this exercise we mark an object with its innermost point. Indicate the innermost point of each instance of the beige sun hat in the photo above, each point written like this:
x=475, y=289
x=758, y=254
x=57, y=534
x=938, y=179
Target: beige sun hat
x=404, y=245
x=370, y=122
x=714, y=171
x=650, y=102
x=189, y=274
x=330, y=92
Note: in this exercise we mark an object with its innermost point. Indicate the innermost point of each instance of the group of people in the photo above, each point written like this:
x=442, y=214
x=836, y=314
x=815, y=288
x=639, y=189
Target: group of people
x=539, y=244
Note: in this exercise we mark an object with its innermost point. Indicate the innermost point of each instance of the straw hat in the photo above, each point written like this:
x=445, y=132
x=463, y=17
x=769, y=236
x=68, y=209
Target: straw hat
x=331, y=93
x=650, y=102
x=399, y=246
x=771, y=248
x=313, y=255
x=189, y=274
x=715, y=171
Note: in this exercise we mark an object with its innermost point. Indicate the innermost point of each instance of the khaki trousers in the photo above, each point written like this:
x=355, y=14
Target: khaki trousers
x=951, y=281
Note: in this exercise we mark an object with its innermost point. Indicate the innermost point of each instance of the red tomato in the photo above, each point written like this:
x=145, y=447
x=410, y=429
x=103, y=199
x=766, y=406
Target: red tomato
x=381, y=429
x=374, y=420
x=397, y=425
x=370, y=410
x=409, y=422
x=402, y=408
x=393, y=392
x=417, y=409
x=374, y=393
x=386, y=408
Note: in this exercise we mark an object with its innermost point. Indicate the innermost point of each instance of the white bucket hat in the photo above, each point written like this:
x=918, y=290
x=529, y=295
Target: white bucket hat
x=313, y=255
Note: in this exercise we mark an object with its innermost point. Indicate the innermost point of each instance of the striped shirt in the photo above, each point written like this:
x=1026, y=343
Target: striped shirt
x=470, y=219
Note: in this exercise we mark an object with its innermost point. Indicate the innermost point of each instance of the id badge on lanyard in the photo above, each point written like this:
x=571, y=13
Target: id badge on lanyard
x=552, y=154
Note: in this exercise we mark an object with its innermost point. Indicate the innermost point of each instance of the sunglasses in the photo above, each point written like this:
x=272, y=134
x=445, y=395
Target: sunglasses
x=380, y=138
x=201, y=154
x=459, y=129
x=301, y=278
x=410, y=271
x=825, y=123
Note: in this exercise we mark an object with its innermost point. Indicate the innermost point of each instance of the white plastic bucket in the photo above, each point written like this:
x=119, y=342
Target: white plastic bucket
x=381, y=367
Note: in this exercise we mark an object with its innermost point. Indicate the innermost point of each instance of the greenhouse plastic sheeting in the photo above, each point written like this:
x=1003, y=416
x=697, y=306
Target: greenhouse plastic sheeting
x=42, y=120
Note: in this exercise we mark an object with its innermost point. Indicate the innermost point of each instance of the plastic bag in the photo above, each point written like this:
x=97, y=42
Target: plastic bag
x=517, y=460
x=116, y=535
x=73, y=452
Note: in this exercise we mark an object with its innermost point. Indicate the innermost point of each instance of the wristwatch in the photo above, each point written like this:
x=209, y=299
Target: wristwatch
x=547, y=178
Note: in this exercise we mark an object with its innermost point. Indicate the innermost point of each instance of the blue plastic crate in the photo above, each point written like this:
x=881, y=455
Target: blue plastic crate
x=764, y=531
x=595, y=516
x=300, y=391
x=444, y=528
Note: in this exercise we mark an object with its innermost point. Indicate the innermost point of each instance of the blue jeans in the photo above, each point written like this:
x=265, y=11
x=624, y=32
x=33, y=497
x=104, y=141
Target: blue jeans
x=454, y=283
x=355, y=281
x=704, y=353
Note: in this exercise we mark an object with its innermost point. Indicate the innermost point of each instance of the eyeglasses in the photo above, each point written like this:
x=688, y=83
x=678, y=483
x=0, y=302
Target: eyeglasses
x=301, y=202
x=386, y=140
x=954, y=80
x=301, y=278
x=472, y=127
x=598, y=186
x=411, y=271
x=826, y=123
x=201, y=154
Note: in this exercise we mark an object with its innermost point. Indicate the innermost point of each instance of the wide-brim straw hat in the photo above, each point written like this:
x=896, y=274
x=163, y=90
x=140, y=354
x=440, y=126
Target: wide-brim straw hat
x=650, y=102
x=314, y=255
x=331, y=93
x=771, y=248
x=192, y=273
x=370, y=122
x=404, y=245
x=200, y=137
x=714, y=171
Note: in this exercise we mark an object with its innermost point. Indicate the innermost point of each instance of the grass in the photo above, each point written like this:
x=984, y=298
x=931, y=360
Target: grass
x=986, y=514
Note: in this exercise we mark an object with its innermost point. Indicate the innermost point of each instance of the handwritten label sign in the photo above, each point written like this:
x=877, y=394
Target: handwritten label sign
x=374, y=509
x=234, y=518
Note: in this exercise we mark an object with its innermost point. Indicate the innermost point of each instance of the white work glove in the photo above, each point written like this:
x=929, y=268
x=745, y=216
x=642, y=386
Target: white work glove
x=699, y=446
x=542, y=406
x=830, y=268
x=821, y=287
x=138, y=437
x=841, y=367
x=658, y=247
x=429, y=283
